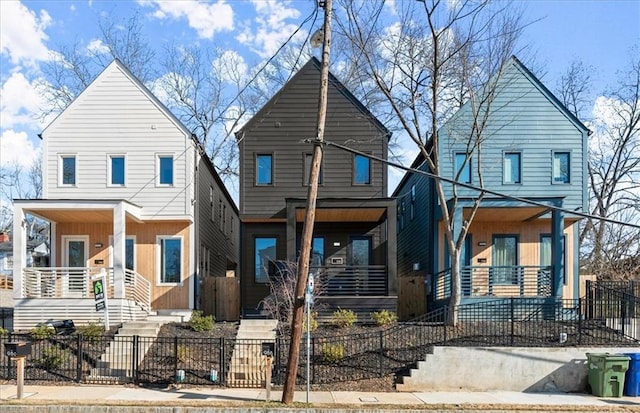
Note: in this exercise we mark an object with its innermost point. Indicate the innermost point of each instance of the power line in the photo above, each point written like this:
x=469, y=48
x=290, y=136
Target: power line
x=479, y=189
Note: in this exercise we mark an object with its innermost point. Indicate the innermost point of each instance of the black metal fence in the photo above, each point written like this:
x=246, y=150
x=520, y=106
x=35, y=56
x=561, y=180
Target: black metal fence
x=375, y=352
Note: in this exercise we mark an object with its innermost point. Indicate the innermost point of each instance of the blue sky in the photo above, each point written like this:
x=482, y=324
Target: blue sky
x=600, y=33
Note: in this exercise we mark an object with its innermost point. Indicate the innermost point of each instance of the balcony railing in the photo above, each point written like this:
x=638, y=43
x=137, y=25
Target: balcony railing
x=351, y=280
x=75, y=282
x=496, y=281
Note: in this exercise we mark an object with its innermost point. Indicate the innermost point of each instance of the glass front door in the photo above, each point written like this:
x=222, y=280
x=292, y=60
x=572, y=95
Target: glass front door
x=75, y=256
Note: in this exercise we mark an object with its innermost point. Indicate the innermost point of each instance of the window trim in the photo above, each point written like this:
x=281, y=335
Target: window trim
x=553, y=167
x=159, y=156
x=354, y=172
x=412, y=204
x=159, y=239
x=504, y=158
x=465, y=165
x=254, y=252
x=61, y=158
x=110, y=157
x=272, y=174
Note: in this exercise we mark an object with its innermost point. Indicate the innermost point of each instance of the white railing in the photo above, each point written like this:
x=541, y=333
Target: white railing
x=75, y=282
x=138, y=289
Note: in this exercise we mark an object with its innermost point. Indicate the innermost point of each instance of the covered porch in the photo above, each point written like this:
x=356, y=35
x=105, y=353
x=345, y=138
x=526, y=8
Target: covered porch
x=88, y=239
x=513, y=249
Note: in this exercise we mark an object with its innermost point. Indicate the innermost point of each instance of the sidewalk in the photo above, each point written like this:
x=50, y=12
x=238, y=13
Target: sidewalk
x=502, y=400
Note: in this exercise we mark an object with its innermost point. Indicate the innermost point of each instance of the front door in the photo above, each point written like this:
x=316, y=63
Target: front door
x=75, y=255
x=359, y=260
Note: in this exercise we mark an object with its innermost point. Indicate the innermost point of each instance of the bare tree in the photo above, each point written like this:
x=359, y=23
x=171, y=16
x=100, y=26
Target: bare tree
x=439, y=56
x=15, y=183
x=611, y=251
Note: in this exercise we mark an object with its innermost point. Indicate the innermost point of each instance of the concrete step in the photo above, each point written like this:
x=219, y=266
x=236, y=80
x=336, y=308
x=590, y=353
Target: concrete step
x=144, y=332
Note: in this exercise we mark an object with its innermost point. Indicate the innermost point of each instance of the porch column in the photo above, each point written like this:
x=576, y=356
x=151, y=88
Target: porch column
x=392, y=249
x=19, y=249
x=291, y=232
x=119, y=250
x=557, y=251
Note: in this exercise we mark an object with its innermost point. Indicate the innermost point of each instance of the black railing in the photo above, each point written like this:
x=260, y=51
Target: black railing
x=378, y=352
x=370, y=280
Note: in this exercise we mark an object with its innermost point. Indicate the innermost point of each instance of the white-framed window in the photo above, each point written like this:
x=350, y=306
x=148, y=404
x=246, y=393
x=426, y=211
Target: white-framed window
x=164, y=169
x=561, y=167
x=169, y=259
x=512, y=167
x=129, y=251
x=67, y=170
x=116, y=167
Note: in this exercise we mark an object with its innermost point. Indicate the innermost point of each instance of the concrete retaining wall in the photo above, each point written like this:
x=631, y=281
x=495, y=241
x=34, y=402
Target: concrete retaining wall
x=504, y=368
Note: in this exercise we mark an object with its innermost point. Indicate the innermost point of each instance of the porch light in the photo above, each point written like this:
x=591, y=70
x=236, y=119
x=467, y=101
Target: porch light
x=98, y=245
x=482, y=243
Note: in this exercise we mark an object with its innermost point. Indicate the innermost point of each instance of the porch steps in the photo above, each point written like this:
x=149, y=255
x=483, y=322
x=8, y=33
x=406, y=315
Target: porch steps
x=248, y=366
x=116, y=363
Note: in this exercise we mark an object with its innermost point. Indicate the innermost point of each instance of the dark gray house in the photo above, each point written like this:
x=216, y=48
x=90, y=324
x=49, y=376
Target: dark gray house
x=536, y=150
x=354, y=242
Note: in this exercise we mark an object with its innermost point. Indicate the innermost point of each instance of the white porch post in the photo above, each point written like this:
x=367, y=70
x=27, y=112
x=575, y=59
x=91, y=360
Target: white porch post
x=19, y=249
x=119, y=250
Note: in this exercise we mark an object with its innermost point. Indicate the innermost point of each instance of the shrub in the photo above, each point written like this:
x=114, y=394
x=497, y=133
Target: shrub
x=3, y=332
x=53, y=357
x=332, y=353
x=313, y=322
x=42, y=332
x=344, y=318
x=384, y=317
x=182, y=353
x=201, y=322
x=93, y=332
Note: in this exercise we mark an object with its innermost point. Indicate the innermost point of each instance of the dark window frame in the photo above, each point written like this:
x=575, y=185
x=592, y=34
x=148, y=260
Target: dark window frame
x=271, y=157
x=560, y=179
x=505, y=154
x=355, y=174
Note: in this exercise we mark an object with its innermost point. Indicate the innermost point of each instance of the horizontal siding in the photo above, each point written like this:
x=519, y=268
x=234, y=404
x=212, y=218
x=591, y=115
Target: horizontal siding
x=113, y=116
x=523, y=119
x=280, y=130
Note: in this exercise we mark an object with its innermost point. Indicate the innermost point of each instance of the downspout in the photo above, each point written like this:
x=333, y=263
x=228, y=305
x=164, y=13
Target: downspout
x=194, y=300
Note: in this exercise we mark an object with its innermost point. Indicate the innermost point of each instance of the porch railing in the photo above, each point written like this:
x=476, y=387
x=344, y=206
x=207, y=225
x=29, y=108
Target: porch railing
x=501, y=281
x=351, y=280
x=75, y=282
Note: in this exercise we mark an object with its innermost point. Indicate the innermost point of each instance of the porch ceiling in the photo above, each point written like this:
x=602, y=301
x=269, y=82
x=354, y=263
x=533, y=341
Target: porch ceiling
x=344, y=214
x=506, y=214
x=77, y=215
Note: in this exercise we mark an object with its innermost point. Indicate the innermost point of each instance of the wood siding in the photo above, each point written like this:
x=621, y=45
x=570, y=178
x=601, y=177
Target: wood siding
x=114, y=115
x=279, y=129
x=146, y=255
x=523, y=119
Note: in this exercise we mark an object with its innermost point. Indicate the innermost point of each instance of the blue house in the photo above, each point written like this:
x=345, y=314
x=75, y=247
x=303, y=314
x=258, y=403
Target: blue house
x=534, y=150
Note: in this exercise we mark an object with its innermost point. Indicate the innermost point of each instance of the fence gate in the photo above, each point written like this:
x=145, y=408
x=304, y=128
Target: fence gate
x=412, y=299
x=220, y=297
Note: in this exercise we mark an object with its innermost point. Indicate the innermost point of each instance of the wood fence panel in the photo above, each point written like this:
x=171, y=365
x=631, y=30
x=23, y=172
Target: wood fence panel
x=412, y=299
x=220, y=297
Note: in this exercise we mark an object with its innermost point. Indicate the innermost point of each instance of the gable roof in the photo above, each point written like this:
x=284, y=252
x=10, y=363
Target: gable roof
x=116, y=64
x=515, y=62
x=333, y=81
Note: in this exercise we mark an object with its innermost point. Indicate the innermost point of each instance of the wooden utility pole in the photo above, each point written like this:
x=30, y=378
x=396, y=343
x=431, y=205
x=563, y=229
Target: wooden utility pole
x=307, y=229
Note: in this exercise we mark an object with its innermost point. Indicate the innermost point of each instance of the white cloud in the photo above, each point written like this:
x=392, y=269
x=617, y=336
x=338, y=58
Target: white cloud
x=230, y=67
x=16, y=149
x=96, y=47
x=20, y=102
x=272, y=29
x=22, y=36
x=206, y=18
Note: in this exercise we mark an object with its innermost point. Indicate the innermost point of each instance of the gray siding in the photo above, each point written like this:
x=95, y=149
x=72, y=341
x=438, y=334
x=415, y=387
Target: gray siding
x=114, y=115
x=523, y=119
x=279, y=129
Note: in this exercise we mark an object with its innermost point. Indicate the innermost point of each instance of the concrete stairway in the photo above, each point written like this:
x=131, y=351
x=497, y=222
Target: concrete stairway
x=116, y=364
x=248, y=365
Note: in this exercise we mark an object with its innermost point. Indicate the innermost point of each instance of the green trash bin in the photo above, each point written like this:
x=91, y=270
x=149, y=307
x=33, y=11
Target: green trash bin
x=606, y=373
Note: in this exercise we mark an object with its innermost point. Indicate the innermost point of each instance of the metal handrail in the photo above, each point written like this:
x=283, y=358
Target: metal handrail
x=140, y=290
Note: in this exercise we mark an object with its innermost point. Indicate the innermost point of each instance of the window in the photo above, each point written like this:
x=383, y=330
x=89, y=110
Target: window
x=170, y=260
x=463, y=168
x=308, y=161
x=412, y=206
x=165, y=169
x=505, y=268
x=317, y=254
x=361, y=170
x=399, y=216
x=511, y=168
x=212, y=203
x=130, y=255
x=264, y=252
x=116, y=170
x=68, y=170
x=561, y=168
x=264, y=169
